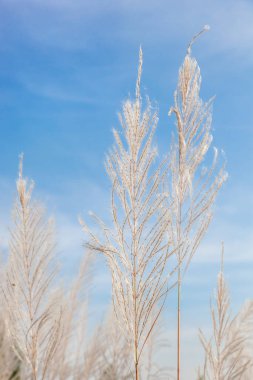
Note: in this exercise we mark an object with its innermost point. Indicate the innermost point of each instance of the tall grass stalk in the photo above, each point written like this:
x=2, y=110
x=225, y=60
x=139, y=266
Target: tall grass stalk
x=192, y=189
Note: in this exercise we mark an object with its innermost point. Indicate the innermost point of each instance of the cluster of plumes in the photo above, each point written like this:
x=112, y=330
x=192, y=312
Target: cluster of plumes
x=159, y=211
x=227, y=353
x=156, y=212
x=136, y=246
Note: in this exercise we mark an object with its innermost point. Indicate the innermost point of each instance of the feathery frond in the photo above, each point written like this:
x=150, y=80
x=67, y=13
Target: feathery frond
x=33, y=318
x=135, y=247
x=193, y=187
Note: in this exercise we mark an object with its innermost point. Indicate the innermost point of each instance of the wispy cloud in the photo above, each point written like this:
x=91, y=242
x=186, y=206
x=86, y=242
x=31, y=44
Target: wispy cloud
x=54, y=92
x=73, y=24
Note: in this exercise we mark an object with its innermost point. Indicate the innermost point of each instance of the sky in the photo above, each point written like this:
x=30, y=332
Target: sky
x=66, y=66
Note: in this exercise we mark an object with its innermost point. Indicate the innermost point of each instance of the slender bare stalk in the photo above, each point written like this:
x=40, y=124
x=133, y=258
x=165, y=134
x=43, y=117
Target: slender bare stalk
x=135, y=246
x=226, y=352
x=33, y=318
x=192, y=190
x=179, y=322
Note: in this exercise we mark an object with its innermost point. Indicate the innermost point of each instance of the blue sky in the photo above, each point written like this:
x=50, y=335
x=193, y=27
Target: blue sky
x=65, y=68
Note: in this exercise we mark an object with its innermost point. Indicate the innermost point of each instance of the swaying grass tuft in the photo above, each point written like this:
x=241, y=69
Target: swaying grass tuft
x=227, y=356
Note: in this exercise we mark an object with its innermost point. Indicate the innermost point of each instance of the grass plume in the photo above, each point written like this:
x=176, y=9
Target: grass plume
x=226, y=353
x=33, y=318
x=135, y=247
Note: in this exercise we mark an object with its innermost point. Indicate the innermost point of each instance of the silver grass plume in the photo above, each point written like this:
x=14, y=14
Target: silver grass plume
x=136, y=245
x=32, y=317
x=193, y=187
